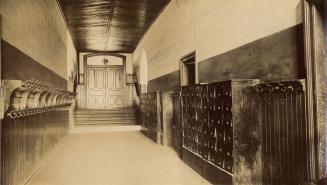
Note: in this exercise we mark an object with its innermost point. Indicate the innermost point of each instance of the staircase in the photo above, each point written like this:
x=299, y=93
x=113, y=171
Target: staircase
x=121, y=116
x=102, y=121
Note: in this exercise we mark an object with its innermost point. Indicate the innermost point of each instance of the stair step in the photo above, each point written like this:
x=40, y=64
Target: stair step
x=104, y=111
x=105, y=116
x=103, y=128
x=114, y=111
x=97, y=113
x=105, y=123
x=118, y=115
x=104, y=119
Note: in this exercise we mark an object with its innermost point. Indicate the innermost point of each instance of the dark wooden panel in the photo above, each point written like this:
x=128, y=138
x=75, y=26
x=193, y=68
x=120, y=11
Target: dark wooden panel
x=167, y=118
x=206, y=170
x=168, y=82
x=247, y=133
x=177, y=122
x=151, y=115
x=26, y=141
x=285, y=134
x=276, y=57
x=16, y=65
x=192, y=160
x=109, y=25
x=214, y=175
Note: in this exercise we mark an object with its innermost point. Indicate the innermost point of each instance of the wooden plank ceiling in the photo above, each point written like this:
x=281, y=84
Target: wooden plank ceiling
x=109, y=25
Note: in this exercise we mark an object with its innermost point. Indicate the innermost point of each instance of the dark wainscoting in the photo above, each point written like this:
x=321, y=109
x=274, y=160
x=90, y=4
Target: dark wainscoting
x=16, y=65
x=275, y=57
x=168, y=82
x=26, y=141
x=278, y=56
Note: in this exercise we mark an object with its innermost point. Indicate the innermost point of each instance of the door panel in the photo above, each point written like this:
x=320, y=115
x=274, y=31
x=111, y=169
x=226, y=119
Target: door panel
x=111, y=78
x=118, y=78
x=111, y=100
x=115, y=91
x=100, y=81
x=96, y=88
x=90, y=75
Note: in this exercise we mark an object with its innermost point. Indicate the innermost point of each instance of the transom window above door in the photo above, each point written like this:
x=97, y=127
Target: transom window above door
x=104, y=60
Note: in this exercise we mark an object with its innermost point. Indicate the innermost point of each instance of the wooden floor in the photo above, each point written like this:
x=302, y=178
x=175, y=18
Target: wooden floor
x=116, y=158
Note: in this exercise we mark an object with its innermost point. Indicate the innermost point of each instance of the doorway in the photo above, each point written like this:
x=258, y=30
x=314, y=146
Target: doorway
x=105, y=87
x=105, y=83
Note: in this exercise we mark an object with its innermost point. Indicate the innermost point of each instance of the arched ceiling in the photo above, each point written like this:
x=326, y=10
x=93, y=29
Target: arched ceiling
x=109, y=25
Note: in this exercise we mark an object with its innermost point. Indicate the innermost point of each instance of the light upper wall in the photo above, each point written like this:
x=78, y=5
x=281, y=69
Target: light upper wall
x=71, y=62
x=37, y=28
x=211, y=27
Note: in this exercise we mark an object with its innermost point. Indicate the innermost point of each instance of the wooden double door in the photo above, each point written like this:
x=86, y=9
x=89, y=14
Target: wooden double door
x=105, y=88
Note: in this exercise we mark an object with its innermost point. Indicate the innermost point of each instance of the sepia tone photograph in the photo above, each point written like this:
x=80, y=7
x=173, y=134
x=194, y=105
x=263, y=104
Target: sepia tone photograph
x=163, y=92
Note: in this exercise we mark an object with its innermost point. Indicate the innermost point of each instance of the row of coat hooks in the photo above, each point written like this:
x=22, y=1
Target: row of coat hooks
x=35, y=97
x=281, y=86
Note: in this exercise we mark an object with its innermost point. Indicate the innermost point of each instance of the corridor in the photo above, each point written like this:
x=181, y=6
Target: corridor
x=163, y=92
x=114, y=158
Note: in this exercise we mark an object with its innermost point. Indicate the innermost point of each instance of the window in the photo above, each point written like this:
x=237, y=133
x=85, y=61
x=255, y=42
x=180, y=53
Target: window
x=188, y=70
x=104, y=61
